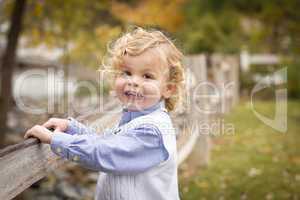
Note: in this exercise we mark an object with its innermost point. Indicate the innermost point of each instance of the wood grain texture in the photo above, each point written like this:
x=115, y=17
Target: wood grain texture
x=25, y=163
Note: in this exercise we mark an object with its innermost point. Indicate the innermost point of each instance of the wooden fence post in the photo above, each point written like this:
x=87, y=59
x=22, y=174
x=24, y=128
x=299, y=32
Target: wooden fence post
x=226, y=79
x=197, y=114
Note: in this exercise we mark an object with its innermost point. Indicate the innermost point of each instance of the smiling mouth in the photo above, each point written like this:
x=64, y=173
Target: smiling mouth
x=132, y=94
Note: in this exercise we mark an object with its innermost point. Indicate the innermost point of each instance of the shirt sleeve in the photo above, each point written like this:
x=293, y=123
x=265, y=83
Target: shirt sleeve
x=133, y=152
x=75, y=127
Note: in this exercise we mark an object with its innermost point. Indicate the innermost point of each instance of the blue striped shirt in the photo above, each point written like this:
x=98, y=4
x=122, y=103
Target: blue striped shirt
x=134, y=152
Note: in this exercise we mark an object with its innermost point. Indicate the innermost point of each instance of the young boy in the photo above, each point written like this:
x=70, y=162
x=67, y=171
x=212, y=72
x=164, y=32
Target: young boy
x=137, y=158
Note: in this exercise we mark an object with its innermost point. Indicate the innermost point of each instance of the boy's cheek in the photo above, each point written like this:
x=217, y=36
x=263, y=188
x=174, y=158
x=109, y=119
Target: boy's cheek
x=118, y=87
x=153, y=92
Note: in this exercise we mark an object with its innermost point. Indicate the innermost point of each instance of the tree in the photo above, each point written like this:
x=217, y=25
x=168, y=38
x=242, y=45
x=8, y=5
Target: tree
x=228, y=25
x=8, y=62
x=158, y=13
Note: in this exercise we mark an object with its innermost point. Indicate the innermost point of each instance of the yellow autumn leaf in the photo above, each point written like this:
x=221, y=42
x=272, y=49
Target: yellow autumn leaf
x=166, y=14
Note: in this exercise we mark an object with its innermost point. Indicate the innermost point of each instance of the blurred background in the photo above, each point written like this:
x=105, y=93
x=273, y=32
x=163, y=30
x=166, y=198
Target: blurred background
x=250, y=41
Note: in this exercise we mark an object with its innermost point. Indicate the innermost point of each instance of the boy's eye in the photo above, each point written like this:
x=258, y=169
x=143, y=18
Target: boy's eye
x=126, y=73
x=149, y=76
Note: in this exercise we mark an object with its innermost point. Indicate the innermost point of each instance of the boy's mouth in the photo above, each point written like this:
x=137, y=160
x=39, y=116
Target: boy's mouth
x=132, y=94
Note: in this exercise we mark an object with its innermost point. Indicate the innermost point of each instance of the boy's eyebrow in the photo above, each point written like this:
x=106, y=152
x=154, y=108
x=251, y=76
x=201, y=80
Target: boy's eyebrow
x=124, y=66
x=143, y=71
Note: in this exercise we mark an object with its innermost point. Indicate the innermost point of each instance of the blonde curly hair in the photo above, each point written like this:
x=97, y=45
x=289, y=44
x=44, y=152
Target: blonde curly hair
x=137, y=41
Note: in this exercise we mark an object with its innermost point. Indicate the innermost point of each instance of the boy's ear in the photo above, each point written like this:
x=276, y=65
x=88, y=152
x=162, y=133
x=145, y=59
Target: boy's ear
x=169, y=90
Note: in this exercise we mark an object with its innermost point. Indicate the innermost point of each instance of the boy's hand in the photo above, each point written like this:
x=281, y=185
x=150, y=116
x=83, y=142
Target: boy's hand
x=40, y=132
x=57, y=124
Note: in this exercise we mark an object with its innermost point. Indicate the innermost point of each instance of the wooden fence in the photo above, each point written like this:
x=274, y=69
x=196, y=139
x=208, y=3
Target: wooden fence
x=25, y=163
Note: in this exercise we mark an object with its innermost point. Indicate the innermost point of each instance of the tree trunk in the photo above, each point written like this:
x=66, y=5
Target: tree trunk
x=7, y=66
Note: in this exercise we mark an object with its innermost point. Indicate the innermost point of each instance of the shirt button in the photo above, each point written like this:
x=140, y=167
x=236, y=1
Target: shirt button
x=75, y=158
x=58, y=150
x=117, y=131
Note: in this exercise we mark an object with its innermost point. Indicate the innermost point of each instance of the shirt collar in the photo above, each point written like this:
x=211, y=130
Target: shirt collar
x=127, y=115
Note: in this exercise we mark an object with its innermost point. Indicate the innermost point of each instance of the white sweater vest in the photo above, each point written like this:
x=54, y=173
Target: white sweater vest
x=159, y=182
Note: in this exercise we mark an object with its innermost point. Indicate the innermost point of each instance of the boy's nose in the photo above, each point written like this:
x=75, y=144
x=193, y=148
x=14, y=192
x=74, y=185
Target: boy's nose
x=134, y=81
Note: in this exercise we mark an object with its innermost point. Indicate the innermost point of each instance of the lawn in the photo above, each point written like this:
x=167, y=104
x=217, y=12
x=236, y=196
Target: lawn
x=256, y=162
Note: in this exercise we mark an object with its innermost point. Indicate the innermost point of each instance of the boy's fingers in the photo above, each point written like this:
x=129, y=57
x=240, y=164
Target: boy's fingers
x=27, y=134
x=57, y=129
x=47, y=124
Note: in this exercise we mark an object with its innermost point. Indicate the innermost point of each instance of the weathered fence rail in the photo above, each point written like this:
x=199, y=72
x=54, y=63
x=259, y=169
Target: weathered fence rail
x=23, y=164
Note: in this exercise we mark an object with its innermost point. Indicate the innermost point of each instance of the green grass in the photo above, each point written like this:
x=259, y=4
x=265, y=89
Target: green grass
x=256, y=162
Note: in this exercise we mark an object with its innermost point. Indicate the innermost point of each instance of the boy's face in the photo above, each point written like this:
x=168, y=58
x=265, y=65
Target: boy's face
x=142, y=81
